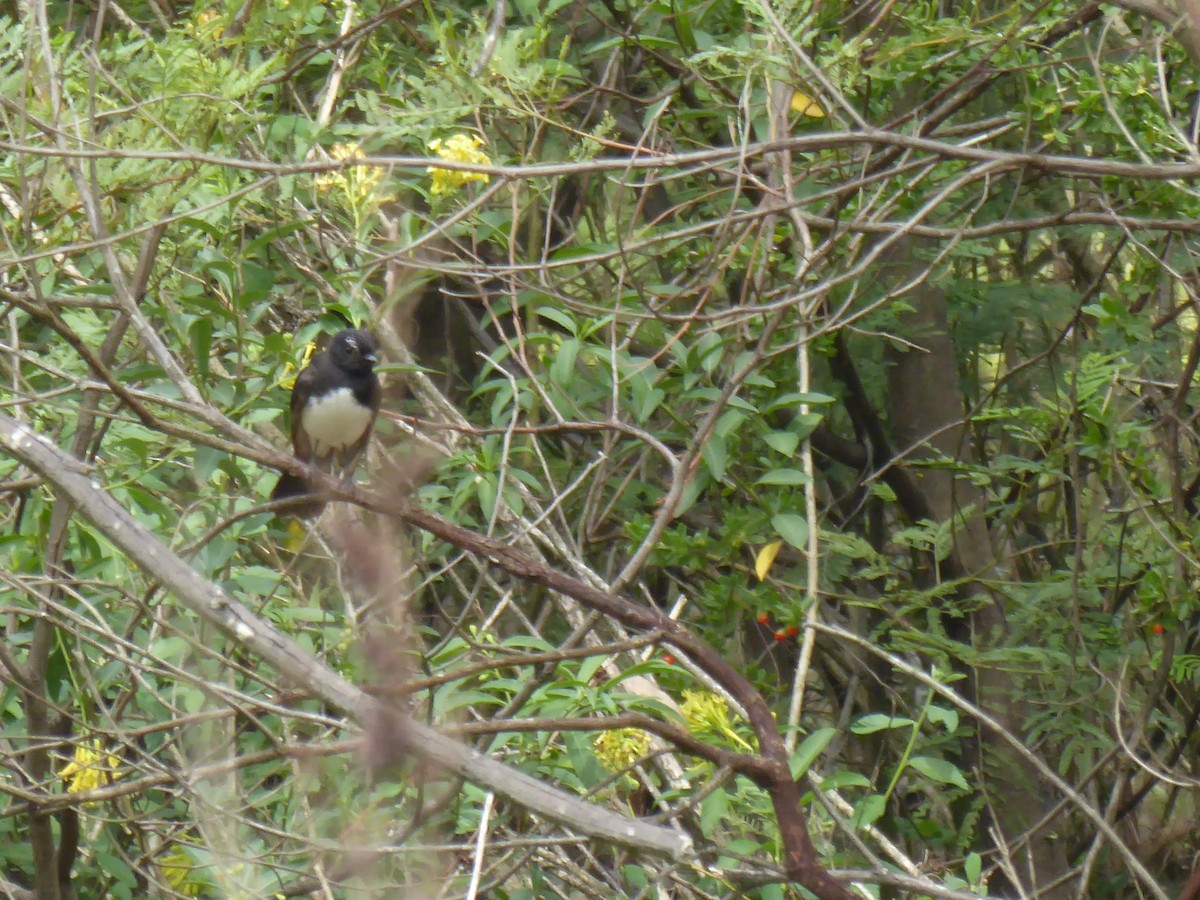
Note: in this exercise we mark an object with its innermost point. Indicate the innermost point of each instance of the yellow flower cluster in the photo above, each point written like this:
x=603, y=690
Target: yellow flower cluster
x=704, y=711
x=463, y=148
x=357, y=182
x=180, y=871
x=708, y=713
x=89, y=770
x=619, y=749
x=291, y=372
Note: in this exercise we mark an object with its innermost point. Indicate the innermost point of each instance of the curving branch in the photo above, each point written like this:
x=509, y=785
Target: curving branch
x=70, y=479
x=801, y=861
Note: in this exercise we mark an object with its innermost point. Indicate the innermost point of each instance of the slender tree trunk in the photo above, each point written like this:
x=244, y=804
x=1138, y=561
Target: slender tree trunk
x=926, y=417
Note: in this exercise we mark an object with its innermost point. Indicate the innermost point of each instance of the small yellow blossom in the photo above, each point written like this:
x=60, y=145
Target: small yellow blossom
x=290, y=372
x=88, y=770
x=358, y=183
x=619, y=749
x=180, y=871
x=483, y=636
x=463, y=148
x=208, y=25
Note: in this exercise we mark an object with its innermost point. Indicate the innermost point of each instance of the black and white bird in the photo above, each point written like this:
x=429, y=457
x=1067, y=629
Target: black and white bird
x=334, y=404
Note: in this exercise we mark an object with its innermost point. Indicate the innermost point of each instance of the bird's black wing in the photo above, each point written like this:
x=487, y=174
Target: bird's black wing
x=301, y=446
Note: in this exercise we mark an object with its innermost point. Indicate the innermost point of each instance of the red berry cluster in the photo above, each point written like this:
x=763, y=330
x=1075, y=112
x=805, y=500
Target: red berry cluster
x=783, y=633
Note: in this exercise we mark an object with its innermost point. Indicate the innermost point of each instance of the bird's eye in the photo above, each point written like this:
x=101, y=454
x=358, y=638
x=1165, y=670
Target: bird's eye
x=351, y=344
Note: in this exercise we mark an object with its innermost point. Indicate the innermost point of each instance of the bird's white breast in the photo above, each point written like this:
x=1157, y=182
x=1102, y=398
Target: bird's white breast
x=335, y=421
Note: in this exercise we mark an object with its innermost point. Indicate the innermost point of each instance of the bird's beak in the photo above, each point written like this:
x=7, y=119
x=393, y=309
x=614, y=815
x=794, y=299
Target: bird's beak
x=371, y=358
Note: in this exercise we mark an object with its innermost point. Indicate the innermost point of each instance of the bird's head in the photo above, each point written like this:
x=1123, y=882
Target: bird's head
x=354, y=350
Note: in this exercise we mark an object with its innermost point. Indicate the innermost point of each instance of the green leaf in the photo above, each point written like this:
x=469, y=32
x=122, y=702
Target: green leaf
x=583, y=758
x=588, y=667
x=692, y=492
x=193, y=699
x=294, y=613
x=256, y=580
x=709, y=350
x=729, y=422
x=204, y=462
x=647, y=400
x=873, y=722
x=485, y=491
x=559, y=317
x=257, y=282
x=939, y=715
x=171, y=649
x=845, y=779
x=448, y=701
x=810, y=397
x=784, y=442
x=563, y=368
x=869, y=811
x=213, y=232
x=973, y=867
x=792, y=528
x=716, y=456
x=201, y=332
x=939, y=770
x=683, y=28
x=575, y=251
x=713, y=809
x=806, y=424
x=635, y=876
x=787, y=477
x=810, y=748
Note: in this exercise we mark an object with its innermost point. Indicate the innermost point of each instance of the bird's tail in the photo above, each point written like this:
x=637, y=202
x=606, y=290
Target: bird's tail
x=291, y=487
